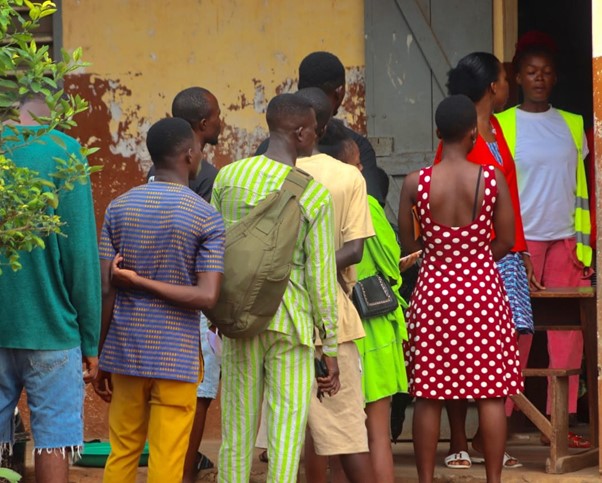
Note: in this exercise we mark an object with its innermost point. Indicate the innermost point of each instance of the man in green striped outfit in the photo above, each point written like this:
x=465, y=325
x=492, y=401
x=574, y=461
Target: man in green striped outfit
x=281, y=358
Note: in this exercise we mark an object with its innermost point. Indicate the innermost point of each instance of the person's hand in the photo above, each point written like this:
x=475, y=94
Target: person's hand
x=409, y=260
x=103, y=386
x=330, y=384
x=90, y=368
x=120, y=277
x=534, y=284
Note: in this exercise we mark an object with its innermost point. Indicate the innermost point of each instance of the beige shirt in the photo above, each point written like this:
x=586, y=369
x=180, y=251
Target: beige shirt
x=352, y=222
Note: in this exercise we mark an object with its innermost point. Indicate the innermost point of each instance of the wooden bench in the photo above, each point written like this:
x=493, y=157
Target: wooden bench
x=572, y=308
x=556, y=429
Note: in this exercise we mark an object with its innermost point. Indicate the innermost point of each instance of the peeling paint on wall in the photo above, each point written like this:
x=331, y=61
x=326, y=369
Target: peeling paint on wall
x=116, y=125
x=597, y=97
x=237, y=142
x=354, y=104
x=108, y=126
x=244, y=52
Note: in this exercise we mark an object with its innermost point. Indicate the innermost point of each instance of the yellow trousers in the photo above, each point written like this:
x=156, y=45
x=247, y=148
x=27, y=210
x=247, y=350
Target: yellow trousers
x=161, y=409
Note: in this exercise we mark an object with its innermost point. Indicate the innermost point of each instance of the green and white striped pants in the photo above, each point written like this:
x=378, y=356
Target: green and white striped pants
x=285, y=367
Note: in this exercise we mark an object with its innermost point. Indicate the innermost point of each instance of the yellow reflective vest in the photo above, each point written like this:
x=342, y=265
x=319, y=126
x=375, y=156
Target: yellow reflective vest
x=574, y=122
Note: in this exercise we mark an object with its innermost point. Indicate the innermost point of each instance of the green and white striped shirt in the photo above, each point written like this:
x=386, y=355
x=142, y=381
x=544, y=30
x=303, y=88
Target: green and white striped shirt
x=311, y=296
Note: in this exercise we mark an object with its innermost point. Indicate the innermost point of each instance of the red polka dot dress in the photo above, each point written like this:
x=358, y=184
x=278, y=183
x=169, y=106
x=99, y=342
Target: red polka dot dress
x=462, y=343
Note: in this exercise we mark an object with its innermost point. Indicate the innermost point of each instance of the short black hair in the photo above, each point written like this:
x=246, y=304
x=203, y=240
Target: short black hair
x=167, y=138
x=284, y=109
x=192, y=104
x=335, y=139
x=473, y=75
x=454, y=117
x=323, y=70
x=320, y=102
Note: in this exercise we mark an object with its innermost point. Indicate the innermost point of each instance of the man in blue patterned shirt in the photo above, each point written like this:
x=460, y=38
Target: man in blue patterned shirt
x=161, y=256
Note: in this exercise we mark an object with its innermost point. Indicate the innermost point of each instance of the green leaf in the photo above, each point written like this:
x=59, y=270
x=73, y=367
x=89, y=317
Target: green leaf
x=39, y=242
x=52, y=199
x=8, y=84
x=26, y=200
x=77, y=54
x=66, y=56
x=88, y=151
x=46, y=183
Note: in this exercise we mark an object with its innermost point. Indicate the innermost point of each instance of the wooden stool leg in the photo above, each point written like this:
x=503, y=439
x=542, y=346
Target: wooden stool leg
x=560, y=422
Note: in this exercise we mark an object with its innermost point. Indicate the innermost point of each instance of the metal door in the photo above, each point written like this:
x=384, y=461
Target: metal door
x=410, y=47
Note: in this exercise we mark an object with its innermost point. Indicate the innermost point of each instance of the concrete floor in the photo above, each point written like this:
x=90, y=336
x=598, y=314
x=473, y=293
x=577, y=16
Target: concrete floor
x=526, y=448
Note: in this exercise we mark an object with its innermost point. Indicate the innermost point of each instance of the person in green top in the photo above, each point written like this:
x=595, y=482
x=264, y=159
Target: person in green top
x=381, y=351
x=50, y=313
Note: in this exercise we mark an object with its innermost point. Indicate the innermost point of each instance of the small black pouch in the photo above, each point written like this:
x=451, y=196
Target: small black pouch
x=374, y=296
x=321, y=368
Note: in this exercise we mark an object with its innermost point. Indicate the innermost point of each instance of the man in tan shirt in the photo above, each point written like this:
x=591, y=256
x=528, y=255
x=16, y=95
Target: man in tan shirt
x=336, y=425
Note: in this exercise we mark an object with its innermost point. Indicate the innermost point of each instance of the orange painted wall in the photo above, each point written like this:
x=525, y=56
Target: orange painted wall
x=143, y=52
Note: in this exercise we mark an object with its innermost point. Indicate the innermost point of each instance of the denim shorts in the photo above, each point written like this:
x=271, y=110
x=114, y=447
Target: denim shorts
x=55, y=395
x=208, y=387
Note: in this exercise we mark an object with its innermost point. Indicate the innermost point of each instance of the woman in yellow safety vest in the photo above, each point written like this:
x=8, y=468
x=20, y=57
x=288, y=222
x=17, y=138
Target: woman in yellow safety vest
x=549, y=146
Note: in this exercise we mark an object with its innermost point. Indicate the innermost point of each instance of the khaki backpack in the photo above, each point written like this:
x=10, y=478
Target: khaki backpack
x=258, y=261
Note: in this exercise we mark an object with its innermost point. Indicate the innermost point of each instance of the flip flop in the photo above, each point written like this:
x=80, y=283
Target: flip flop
x=507, y=458
x=461, y=459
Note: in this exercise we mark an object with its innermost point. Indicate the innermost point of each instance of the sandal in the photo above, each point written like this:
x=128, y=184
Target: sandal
x=263, y=456
x=458, y=461
x=509, y=462
x=202, y=462
x=575, y=441
x=578, y=441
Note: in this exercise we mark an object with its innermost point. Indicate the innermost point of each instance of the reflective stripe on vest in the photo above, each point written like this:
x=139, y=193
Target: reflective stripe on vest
x=507, y=120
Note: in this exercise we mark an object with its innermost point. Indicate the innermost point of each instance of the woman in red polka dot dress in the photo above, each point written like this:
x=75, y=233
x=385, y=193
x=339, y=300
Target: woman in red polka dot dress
x=462, y=343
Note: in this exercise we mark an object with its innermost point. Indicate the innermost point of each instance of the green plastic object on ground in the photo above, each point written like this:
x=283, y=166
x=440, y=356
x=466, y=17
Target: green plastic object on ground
x=10, y=475
x=95, y=454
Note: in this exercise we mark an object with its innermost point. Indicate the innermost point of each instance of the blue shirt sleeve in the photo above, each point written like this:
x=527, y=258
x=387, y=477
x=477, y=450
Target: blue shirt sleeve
x=210, y=257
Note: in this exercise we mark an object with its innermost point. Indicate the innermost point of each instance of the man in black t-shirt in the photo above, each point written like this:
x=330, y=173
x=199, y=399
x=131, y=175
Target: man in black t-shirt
x=200, y=108
x=202, y=185
x=325, y=70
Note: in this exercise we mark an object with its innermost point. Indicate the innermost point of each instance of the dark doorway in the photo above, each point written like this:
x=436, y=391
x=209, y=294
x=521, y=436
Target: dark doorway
x=569, y=23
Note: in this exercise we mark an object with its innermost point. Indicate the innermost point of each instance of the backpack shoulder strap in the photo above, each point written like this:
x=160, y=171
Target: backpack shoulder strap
x=296, y=181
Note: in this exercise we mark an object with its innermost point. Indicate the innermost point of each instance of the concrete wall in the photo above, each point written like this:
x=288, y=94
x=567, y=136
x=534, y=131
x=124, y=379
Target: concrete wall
x=597, y=84
x=144, y=52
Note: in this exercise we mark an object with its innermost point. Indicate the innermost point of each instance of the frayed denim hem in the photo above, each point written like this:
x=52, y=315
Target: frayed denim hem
x=75, y=451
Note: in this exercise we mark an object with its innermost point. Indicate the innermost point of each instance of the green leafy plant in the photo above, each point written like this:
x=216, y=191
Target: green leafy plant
x=27, y=70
